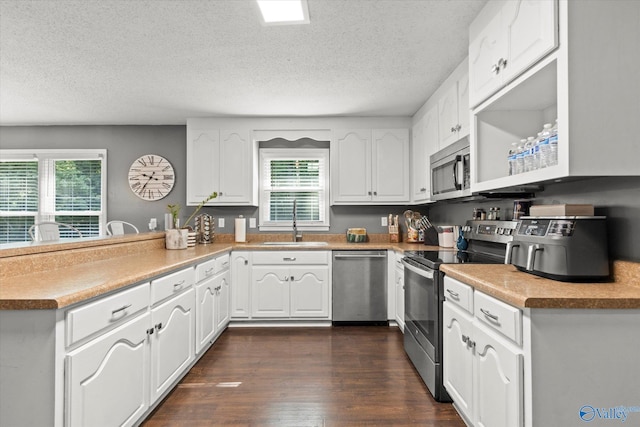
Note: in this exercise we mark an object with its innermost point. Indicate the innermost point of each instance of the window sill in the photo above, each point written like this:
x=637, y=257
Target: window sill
x=301, y=228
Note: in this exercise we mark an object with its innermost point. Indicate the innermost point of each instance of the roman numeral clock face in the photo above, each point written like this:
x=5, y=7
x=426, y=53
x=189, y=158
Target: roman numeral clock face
x=151, y=177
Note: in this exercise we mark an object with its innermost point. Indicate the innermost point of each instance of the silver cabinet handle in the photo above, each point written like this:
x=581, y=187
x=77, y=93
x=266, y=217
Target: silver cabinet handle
x=208, y=271
x=489, y=314
x=159, y=326
x=286, y=278
x=453, y=294
x=246, y=262
x=178, y=285
x=375, y=193
x=423, y=189
x=118, y=310
x=465, y=339
x=458, y=127
x=453, y=129
x=495, y=69
x=502, y=63
x=226, y=263
x=150, y=331
x=289, y=258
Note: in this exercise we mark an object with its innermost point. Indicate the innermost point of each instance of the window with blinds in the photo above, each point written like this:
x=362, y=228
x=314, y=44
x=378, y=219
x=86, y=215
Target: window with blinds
x=287, y=175
x=51, y=185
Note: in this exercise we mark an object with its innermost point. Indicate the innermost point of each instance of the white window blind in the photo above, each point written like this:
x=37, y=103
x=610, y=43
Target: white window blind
x=288, y=175
x=18, y=199
x=65, y=186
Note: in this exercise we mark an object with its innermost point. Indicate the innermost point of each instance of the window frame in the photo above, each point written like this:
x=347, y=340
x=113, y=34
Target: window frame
x=47, y=181
x=266, y=154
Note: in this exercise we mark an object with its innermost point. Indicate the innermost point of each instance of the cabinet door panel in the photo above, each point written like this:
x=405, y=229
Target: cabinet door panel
x=241, y=279
x=351, y=165
x=497, y=385
x=222, y=301
x=448, y=117
x=464, y=115
x=270, y=292
x=203, y=149
x=309, y=291
x=172, y=344
x=485, y=49
x=390, y=165
x=235, y=173
x=531, y=33
x=205, y=313
x=458, y=358
x=399, y=276
x=107, y=379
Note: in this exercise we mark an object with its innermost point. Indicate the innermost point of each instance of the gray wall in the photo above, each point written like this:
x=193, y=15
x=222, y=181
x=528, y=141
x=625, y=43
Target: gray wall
x=124, y=144
x=618, y=198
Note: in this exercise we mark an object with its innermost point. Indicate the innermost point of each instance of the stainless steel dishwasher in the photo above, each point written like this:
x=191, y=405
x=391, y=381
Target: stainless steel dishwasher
x=360, y=287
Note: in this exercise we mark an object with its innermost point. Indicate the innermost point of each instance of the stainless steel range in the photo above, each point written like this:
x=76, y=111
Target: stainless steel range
x=424, y=296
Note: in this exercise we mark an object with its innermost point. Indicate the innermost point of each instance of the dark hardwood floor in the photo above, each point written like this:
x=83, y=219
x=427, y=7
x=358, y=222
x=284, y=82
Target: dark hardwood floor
x=339, y=376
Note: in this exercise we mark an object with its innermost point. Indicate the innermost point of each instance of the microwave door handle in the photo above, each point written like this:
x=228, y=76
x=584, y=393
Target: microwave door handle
x=456, y=184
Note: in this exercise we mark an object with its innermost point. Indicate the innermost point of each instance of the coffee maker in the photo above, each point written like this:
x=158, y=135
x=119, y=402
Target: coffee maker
x=565, y=248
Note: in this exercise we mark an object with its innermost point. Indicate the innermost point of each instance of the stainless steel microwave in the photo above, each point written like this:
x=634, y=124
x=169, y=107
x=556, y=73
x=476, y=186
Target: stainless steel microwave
x=450, y=171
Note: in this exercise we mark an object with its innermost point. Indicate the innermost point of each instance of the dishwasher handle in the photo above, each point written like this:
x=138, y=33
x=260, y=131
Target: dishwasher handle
x=424, y=272
x=359, y=256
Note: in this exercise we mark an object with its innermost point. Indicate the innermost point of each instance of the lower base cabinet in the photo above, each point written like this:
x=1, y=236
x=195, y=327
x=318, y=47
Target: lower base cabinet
x=173, y=343
x=212, y=309
x=108, y=379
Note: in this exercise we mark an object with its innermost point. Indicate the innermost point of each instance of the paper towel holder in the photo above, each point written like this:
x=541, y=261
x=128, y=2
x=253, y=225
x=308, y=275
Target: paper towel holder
x=241, y=229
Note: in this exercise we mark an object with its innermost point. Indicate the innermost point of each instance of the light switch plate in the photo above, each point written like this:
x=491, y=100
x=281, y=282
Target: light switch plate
x=221, y=222
x=252, y=223
x=383, y=221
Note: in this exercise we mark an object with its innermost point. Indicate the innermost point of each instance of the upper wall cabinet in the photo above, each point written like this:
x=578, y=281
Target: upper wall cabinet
x=453, y=112
x=588, y=86
x=424, y=142
x=506, y=38
x=370, y=166
x=220, y=160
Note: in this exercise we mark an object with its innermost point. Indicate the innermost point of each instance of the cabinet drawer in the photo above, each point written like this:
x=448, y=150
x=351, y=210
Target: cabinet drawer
x=222, y=263
x=502, y=317
x=205, y=269
x=458, y=293
x=106, y=312
x=290, y=257
x=171, y=284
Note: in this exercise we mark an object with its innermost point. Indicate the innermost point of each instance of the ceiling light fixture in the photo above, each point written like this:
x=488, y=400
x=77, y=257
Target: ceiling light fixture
x=284, y=12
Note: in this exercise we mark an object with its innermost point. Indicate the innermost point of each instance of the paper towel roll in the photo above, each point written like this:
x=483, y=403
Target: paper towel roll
x=241, y=230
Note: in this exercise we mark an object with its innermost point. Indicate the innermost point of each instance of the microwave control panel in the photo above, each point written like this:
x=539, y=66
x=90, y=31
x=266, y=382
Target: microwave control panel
x=546, y=227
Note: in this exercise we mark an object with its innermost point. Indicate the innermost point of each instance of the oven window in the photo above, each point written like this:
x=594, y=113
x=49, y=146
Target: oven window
x=421, y=306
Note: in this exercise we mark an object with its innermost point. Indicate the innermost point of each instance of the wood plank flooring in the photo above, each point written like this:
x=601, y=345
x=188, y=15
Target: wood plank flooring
x=338, y=376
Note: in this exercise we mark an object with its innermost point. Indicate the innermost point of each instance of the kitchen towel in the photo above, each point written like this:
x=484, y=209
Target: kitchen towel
x=241, y=230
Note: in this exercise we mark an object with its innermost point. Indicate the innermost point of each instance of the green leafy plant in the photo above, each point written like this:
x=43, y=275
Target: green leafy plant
x=175, y=210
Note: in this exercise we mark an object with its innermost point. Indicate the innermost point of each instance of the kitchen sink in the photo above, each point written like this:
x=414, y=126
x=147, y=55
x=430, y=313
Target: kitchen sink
x=295, y=243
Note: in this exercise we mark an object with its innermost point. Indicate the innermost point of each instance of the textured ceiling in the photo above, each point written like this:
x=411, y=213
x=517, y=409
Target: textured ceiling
x=161, y=62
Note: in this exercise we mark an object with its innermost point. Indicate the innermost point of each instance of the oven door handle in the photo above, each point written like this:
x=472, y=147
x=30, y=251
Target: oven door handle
x=426, y=272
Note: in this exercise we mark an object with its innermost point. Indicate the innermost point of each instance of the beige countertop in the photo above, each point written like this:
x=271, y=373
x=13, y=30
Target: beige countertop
x=526, y=290
x=57, y=276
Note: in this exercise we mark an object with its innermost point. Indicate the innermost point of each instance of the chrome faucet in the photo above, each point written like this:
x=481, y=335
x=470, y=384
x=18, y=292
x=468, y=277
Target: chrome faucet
x=296, y=236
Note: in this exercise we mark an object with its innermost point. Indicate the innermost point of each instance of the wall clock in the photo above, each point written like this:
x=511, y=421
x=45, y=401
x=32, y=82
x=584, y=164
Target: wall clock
x=151, y=177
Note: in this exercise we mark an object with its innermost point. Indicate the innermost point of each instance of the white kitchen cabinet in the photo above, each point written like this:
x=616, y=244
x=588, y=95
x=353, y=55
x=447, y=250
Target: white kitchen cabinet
x=212, y=300
x=370, y=166
x=458, y=358
x=453, y=112
x=220, y=160
x=309, y=290
x=424, y=143
x=497, y=380
x=107, y=380
x=569, y=85
x=505, y=39
x=173, y=342
x=270, y=291
x=290, y=284
x=483, y=371
x=399, y=290
x=241, y=288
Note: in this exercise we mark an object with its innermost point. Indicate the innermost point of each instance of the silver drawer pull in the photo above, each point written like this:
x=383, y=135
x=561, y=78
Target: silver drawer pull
x=289, y=259
x=178, y=285
x=118, y=310
x=465, y=338
x=489, y=315
x=226, y=263
x=453, y=294
x=208, y=271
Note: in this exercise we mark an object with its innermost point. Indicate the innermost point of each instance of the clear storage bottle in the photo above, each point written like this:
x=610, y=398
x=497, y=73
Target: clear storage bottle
x=520, y=156
x=528, y=154
x=543, y=148
x=513, y=152
x=553, y=145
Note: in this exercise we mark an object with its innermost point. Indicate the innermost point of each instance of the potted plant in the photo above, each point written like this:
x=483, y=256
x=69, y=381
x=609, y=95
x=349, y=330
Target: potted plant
x=178, y=237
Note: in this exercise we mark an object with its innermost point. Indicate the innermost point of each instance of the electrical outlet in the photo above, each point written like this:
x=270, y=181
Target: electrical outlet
x=220, y=222
x=252, y=223
x=383, y=221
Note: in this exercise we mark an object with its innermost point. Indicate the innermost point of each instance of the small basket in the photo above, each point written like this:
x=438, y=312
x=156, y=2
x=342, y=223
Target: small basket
x=356, y=235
